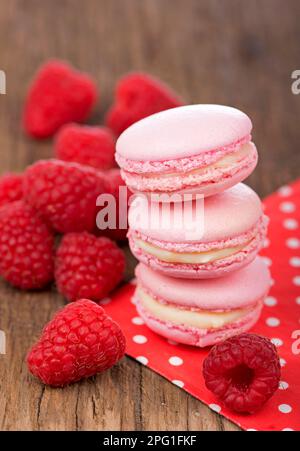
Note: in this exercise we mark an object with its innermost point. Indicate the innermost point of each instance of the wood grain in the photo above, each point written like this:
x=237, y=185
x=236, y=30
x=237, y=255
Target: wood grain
x=233, y=52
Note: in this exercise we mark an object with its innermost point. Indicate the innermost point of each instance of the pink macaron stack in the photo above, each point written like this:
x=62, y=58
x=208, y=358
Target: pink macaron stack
x=194, y=227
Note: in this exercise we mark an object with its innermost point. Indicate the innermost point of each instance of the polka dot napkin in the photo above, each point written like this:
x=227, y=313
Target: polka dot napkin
x=280, y=321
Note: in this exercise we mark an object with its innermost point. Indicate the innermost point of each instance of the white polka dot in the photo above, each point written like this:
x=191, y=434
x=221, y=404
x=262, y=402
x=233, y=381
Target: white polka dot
x=138, y=321
x=296, y=281
x=295, y=262
x=215, y=407
x=282, y=362
x=178, y=383
x=277, y=341
x=285, y=408
x=298, y=300
x=287, y=207
x=172, y=342
x=140, y=339
x=290, y=224
x=266, y=242
x=270, y=301
x=293, y=243
x=283, y=385
x=175, y=361
x=142, y=359
x=105, y=301
x=285, y=191
x=251, y=429
x=272, y=321
x=287, y=429
x=267, y=261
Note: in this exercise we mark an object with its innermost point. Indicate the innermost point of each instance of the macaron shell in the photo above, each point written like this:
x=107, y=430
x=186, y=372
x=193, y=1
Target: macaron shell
x=236, y=290
x=227, y=214
x=199, y=337
x=183, y=132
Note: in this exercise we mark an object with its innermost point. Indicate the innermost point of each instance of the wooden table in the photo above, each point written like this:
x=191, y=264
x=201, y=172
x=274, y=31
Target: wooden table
x=232, y=52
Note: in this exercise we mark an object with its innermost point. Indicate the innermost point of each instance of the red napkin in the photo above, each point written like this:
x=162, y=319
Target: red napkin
x=280, y=321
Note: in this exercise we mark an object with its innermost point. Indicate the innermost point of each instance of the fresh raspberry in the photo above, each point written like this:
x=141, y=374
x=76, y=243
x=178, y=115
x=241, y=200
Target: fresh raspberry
x=11, y=188
x=64, y=194
x=243, y=371
x=87, y=266
x=80, y=341
x=91, y=146
x=114, y=182
x=57, y=95
x=138, y=95
x=26, y=247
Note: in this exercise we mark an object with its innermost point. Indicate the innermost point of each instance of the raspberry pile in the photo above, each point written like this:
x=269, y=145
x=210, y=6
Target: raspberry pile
x=243, y=372
x=49, y=215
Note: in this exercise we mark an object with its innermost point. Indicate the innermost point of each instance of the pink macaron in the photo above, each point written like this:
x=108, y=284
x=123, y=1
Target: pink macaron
x=201, y=312
x=201, y=149
x=210, y=239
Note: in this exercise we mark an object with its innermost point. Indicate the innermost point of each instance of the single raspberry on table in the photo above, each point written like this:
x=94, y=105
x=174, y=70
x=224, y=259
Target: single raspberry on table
x=11, y=188
x=58, y=94
x=139, y=95
x=26, y=247
x=88, y=145
x=64, y=194
x=114, y=183
x=87, y=266
x=243, y=371
x=80, y=341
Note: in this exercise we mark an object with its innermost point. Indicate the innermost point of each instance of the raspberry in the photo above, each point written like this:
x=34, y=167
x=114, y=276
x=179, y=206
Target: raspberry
x=114, y=182
x=138, y=95
x=64, y=194
x=92, y=146
x=80, y=341
x=87, y=266
x=26, y=247
x=57, y=95
x=11, y=188
x=243, y=371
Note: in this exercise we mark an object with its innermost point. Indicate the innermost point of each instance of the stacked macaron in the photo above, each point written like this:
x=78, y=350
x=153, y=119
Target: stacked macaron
x=195, y=229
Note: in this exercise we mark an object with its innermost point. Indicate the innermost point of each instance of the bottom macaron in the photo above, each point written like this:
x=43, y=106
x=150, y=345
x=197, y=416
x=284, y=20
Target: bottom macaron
x=201, y=312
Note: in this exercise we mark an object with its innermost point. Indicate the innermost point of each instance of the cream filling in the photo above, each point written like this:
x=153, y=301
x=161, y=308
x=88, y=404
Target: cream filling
x=187, y=257
x=201, y=319
x=227, y=161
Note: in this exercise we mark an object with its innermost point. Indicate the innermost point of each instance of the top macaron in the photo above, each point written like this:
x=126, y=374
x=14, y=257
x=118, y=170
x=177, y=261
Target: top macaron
x=198, y=149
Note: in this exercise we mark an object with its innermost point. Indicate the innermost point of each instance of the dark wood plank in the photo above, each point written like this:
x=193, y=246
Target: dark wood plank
x=235, y=52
